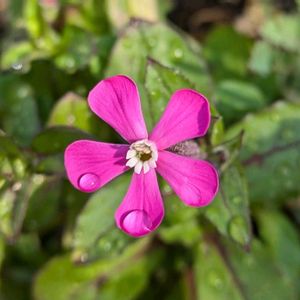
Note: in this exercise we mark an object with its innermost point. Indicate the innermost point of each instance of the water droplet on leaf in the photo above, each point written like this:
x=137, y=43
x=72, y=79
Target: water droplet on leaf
x=177, y=53
x=238, y=230
x=23, y=91
x=237, y=200
x=215, y=280
x=17, y=66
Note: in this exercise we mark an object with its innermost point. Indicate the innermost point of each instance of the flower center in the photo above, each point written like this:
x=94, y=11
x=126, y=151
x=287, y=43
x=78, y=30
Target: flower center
x=142, y=155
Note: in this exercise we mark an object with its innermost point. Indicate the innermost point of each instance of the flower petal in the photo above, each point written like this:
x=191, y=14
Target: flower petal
x=195, y=181
x=90, y=164
x=186, y=116
x=142, y=210
x=116, y=100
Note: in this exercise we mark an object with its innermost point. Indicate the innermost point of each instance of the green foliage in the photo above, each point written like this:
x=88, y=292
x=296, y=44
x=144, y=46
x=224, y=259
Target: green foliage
x=271, y=147
x=230, y=211
x=18, y=109
x=227, y=52
x=99, y=210
x=237, y=98
x=59, y=243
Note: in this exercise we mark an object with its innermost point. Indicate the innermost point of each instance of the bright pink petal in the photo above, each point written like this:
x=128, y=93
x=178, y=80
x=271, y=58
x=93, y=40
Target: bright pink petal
x=195, y=181
x=116, y=100
x=142, y=210
x=90, y=165
x=186, y=116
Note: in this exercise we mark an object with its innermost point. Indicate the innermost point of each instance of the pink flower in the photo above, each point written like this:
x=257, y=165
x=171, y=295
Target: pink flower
x=90, y=165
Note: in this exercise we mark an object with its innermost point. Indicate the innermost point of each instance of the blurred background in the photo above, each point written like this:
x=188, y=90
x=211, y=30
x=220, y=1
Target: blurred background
x=58, y=243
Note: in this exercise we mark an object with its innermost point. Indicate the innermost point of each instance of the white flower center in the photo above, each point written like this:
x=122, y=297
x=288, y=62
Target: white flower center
x=142, y=155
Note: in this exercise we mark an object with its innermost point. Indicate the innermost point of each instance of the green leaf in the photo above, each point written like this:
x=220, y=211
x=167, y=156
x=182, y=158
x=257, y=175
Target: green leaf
x=282, y=239
x=8, y=147
x=51, y=165
x=14, y=204
x=120, y=11
x=180, y=223
x=110, y=244
x=2, y=250
x=213, y=277
x=27, y=248
x=160, y=83
x=18, y=56
x=18, y=109
x=229, y=212
x=282, y=31
x=270, y=152
x=60, y=278
x=258, y=275
x=127, y=284
x=79, y=49
x=160, y=42
x=236, y=98
x=91, y=16
x=97, y=218
x=262, y=57
x=43, y=207
x=87, y=291
x=72, y=110
x=6, y=211
x=142, y=40
x=12, y=161
x=216, y=130
x=41, y=33
x=227, y=52
x=55, y=139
